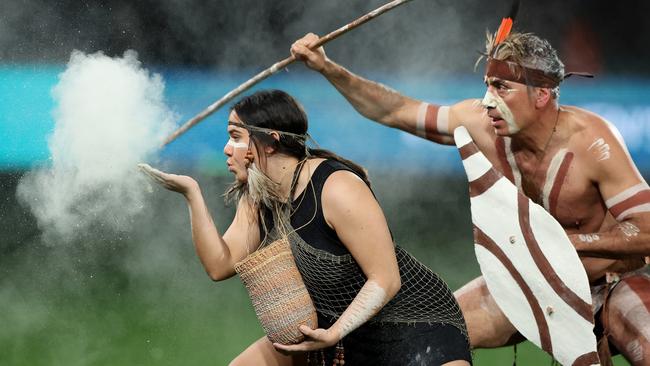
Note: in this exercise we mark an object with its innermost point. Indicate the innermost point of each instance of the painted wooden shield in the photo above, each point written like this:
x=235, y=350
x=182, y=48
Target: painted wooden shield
x=530, y=267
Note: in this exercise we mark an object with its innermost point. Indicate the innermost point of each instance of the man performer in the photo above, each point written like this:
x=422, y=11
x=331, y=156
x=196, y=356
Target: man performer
x=567, y=159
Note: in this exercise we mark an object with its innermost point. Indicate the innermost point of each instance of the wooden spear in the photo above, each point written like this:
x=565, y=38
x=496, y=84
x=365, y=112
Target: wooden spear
x=277, y=66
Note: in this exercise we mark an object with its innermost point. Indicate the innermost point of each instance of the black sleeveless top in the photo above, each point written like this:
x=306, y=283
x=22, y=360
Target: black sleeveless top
x=333, y=278
x=307, y=212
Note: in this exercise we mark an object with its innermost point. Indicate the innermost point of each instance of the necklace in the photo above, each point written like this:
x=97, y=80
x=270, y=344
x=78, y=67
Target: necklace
x=540, y=195
x=550, y=137
x=528, y=186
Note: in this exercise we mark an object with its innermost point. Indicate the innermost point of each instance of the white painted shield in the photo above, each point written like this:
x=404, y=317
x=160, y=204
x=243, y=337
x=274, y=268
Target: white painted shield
x=530, y=267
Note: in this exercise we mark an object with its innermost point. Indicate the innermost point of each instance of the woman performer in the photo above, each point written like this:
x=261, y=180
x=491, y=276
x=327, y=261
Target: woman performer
x=376, y=304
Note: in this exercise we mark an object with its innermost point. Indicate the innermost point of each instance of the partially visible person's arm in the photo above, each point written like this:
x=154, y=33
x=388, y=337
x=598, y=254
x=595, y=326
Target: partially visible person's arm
x=378, y=102
x=217, y=253
x=353, y=212
x=626, y=195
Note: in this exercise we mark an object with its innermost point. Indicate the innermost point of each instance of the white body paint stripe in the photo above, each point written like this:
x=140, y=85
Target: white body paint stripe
x=640, y=208
x=626, y=194
x=443, y=120
x=551, y=174
x=422, y=114
x=632, y=300
x=475, y=166
x=513, y=163
x=237, y=145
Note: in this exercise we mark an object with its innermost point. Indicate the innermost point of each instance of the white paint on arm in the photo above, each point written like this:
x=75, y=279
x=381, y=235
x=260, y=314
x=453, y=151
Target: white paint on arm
x=600, y=148
x=629, y=229
x=589, y=238
x=370, y=299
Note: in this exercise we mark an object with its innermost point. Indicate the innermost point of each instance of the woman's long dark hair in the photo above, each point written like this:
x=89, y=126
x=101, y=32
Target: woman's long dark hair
x=277, y=110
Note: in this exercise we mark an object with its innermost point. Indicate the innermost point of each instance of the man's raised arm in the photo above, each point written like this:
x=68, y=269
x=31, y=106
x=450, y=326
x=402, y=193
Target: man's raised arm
x=376, y=101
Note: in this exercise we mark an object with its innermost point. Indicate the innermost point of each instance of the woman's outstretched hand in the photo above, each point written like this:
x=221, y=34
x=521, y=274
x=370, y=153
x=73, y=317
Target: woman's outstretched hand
x=315, y=339
x=177, y=183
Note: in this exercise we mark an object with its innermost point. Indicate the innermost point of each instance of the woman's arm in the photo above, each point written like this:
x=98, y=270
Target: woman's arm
x=353, y=212
x=217, y=253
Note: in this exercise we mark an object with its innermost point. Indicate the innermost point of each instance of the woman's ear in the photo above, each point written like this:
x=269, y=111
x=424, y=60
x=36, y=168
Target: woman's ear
x=276, y=140
x=250, y=157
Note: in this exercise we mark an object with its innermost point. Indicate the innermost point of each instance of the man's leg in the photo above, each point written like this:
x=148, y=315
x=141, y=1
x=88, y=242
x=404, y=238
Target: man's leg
x=487, y=326
x=628, y=318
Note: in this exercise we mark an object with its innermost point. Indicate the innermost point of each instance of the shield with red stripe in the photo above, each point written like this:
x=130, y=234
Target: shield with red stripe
x=529, y=264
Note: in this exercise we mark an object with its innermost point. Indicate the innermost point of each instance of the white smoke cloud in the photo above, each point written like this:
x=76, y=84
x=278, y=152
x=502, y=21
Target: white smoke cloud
x=110, y=115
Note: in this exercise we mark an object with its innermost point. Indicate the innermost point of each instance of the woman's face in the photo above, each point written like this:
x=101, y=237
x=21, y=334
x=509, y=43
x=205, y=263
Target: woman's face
x=237, y=149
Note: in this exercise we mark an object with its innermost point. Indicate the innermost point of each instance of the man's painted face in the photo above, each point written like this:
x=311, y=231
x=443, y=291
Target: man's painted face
x=237, y=149
x=503, y=120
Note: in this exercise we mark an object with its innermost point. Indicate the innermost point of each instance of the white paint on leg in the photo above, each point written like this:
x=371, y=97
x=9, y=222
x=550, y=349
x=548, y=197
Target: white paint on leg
x=635, y=350
x=625, y=301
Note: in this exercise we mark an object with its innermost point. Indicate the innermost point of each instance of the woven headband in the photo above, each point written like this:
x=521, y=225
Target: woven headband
x=250, y=128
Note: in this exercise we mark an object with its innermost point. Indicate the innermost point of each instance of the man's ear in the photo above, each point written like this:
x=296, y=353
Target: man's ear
x=542, y=97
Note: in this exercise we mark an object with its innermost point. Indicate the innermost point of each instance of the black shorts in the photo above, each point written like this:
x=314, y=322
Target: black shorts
x=398, y=344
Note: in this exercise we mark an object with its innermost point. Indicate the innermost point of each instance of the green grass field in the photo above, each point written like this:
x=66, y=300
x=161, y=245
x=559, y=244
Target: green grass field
x=181, y=323
x=140, y=297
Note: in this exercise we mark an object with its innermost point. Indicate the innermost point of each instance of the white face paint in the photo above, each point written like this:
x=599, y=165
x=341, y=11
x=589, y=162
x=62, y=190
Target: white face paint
x=600, y=149
x=491, y=100
x=237, y=145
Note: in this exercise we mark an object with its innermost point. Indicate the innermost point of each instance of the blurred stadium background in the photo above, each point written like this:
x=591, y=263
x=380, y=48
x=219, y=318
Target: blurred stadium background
x=140, y=297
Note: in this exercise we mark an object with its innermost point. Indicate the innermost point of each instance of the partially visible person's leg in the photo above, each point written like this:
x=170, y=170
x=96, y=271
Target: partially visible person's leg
x=628, y=318
x=262, y=353
x=457, y=363
x=487, y=326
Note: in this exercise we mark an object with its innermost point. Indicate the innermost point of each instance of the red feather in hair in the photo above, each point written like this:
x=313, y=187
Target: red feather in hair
x=506, y=25
x=504, y=30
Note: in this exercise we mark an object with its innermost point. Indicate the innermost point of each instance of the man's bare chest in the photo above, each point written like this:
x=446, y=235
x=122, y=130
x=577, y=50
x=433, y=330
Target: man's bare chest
x=555, y=181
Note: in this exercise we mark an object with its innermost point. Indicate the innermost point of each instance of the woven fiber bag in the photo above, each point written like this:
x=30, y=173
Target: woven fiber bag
x=279, y=296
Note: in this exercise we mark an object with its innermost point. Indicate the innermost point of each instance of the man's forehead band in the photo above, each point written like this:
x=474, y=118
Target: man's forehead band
x=511, y=71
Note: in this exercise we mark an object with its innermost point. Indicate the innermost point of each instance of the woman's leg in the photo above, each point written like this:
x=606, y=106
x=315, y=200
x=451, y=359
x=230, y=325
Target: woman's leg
x=262, y=353
x=457, y=363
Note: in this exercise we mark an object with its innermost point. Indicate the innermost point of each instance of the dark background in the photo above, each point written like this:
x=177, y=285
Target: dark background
x=607, y=37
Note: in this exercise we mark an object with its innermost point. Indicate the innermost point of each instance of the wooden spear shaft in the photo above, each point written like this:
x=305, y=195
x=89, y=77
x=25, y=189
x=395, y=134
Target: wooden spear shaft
x=277, y=66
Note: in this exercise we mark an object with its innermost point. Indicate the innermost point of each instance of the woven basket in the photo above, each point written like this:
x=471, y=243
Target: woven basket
x=279, y=295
